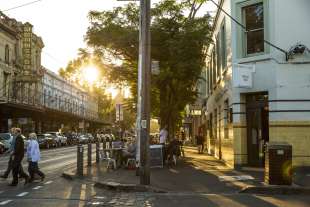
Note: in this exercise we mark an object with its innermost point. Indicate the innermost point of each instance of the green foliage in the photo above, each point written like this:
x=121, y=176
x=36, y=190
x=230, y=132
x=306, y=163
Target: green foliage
x=178, y=37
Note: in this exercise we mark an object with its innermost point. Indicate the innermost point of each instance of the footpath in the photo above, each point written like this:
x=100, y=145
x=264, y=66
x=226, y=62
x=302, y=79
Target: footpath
x=197, y=180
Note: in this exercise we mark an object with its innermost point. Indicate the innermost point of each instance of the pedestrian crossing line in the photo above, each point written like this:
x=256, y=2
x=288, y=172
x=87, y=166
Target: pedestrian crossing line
x=22, y=194
x=5, y=202
x=38, y=187
x=48, y=182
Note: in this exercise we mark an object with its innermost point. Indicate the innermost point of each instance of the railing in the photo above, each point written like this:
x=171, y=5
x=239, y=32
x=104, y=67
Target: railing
x=26, y=95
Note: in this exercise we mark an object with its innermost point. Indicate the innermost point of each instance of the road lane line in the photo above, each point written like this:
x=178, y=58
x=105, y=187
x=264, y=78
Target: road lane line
x=5, y=202
x=22, y=194
x=38, y=187
x=48, y=182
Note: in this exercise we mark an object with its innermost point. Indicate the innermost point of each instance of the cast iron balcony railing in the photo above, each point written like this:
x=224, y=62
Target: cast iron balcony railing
x=23, y=95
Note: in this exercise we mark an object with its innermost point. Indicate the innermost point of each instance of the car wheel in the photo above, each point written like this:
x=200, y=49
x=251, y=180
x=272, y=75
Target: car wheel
x=1, y=150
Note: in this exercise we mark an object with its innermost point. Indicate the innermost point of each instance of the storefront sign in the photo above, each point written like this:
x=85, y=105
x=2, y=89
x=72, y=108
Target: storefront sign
x=22, y=121
x=27, y=41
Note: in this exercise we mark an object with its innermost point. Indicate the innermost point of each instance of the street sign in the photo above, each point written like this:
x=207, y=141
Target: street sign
x=119, y=112
x=243, y=75
x=155, y=67
x=81, y=124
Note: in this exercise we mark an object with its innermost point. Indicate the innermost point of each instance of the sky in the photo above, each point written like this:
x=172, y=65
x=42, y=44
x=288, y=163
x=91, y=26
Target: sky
x=62, y=24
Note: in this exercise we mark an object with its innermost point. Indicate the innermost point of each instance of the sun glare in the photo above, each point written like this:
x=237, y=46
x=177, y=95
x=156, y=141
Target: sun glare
x=90, y=74
x=112, y=91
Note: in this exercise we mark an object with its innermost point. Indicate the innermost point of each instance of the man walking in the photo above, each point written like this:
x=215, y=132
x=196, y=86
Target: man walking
x=17, y=157
x=10, y=151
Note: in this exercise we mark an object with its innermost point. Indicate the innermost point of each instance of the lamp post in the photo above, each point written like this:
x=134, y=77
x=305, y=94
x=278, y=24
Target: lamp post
x=144, y=81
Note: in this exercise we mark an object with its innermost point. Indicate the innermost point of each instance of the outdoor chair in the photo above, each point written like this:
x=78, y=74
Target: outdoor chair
x=105, y=156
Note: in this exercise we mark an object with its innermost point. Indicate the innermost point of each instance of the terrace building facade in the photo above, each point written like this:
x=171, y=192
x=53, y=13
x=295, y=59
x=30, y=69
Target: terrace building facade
x=258, y=81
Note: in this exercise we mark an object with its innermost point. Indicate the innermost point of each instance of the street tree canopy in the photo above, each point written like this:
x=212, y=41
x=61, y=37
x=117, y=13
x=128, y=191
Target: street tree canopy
x=178, y=37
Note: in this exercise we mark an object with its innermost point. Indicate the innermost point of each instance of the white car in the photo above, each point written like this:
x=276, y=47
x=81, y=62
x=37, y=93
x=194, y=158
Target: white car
x=6, y=139
x=60, y=140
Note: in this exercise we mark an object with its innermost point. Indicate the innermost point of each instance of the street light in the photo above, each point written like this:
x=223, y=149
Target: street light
x=144, y=79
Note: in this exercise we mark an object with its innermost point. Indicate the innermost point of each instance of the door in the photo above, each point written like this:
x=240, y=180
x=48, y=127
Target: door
x=257, y=128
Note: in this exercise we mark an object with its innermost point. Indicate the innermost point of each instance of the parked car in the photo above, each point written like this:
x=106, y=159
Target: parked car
x=6, y=139
x=83, y=139
x=63, y=139
x=2, y=149
x=71, y=138
x=46, y=141
x=91, y=138
x=55, y=137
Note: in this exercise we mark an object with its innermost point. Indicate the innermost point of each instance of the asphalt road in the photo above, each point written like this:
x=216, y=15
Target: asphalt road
x=54, y=190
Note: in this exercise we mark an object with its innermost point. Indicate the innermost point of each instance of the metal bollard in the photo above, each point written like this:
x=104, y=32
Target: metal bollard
x=89, y=153
x=80, y=155
x=97, y=151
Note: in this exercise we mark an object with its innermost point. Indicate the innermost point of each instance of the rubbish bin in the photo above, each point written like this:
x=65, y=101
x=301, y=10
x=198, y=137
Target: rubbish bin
x=278, y=164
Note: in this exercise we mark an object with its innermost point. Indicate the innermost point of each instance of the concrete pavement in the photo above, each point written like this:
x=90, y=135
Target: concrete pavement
x=54, y=191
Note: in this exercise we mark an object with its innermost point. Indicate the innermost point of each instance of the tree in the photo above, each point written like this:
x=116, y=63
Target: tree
x=178, y=40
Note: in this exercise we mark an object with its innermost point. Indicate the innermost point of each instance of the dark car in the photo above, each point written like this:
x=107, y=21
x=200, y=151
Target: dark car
x=46, y=141
x=72, y=139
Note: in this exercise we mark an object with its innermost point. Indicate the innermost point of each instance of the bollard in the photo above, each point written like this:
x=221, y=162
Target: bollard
x=89, y=151
x=97, y=151
x=80, y=154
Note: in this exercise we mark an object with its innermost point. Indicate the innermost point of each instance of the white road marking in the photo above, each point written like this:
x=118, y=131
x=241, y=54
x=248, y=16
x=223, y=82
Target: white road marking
x=22, y=194
x=48, y=182
x=38, y=187
x=1, y=192
x=5, y=202
x=235, y=178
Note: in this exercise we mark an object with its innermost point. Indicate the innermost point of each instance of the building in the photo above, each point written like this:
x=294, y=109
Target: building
x=31, y=96
x=258, y=81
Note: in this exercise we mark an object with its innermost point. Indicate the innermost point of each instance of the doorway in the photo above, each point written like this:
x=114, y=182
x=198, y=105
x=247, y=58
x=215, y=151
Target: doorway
x=257, y=116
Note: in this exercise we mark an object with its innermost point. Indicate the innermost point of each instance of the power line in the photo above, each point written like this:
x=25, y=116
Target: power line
x=244, y=27
x=53, y=58
x=22, y=5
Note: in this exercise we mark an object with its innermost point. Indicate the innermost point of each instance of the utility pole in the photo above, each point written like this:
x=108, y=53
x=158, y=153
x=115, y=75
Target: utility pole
x=144, y=82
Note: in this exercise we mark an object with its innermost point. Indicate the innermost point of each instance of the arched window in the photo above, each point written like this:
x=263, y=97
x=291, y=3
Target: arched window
x=7, y=54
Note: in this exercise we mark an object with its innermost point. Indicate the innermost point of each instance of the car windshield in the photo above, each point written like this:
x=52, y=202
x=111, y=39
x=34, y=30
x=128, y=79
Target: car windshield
x=5, y=136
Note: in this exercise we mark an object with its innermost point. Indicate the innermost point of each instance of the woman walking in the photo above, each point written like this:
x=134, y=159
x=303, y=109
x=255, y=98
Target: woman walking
x=33, y=154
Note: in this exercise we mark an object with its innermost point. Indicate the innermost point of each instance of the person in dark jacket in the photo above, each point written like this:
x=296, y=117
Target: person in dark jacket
x=18, y=157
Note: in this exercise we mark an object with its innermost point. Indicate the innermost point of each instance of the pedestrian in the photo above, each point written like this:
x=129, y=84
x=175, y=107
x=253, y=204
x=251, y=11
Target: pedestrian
x=199, y=143
x=10, y=151
x=33, y=155
x=163, y=134
x=202, y=142
x=17, y=157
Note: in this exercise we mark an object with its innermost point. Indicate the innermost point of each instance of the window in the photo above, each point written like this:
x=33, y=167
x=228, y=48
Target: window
x=253, y=17
x=218, y=58
x=7, y=54
x=213, y=68
x=223, y=46
x=226, y=118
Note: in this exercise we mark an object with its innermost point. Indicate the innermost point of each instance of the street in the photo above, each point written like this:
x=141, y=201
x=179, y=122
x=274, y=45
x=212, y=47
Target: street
x=54, y=190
